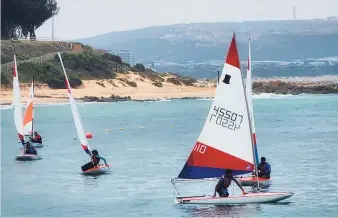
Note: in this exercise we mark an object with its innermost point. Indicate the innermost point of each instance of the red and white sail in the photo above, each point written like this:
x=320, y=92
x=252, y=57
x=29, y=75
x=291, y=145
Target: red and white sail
x=248, y=89
x=76, y=115
x=17, y=104
x=29, y=113
x=225, y=141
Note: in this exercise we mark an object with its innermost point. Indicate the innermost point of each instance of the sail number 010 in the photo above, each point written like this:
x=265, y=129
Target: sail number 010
x=226, y=118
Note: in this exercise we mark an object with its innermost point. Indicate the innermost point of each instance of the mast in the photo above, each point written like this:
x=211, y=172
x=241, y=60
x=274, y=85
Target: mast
x=33, y=108
x=217, y=77
x=248, y=113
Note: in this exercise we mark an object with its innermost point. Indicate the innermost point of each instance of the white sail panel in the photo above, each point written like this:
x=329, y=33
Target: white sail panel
x=17, y=102
x=29, y=113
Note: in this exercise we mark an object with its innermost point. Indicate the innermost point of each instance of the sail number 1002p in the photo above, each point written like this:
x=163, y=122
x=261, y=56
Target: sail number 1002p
x=226, y=118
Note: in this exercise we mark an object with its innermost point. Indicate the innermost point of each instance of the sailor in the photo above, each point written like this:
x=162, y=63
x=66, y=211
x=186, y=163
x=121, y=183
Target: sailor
x=224, y=183
x=96, y=158
x=30, y=149
x=37, y=138
x=264, y=169
x=95, y=161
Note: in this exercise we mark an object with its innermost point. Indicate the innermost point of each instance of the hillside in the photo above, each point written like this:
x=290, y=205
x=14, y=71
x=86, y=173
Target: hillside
x=86, y=65
x=271, y=40
x=28, y=49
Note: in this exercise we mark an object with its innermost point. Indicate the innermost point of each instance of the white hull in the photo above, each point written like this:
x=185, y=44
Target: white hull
x=27, y=157
x=98, y=170
x=251, y=181
x=252, y=198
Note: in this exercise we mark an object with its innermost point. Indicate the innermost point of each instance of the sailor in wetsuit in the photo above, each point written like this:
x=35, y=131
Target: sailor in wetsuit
x=95, y=161
x=29, y=149
x=264, y=169
x=37, y=138
x=224, y=183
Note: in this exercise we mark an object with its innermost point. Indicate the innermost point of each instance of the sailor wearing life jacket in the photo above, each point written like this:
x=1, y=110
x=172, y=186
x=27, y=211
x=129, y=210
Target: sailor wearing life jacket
x=222, y=186
x=264, y=169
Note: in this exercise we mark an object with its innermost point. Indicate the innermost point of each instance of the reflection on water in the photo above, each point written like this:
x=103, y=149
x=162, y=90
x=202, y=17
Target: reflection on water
x=211, y=211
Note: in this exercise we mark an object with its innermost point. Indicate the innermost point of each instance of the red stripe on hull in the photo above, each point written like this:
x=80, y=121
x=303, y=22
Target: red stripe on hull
x=207, y=156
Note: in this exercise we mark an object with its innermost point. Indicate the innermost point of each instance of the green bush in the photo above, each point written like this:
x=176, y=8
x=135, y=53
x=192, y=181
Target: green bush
x=174, y=80
x=140, y=67
x=158, y=84
x=130, y=83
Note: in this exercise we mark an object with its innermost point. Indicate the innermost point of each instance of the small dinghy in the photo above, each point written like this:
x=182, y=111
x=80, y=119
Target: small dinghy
x=80, y=130
x=225, y=142
x=97, y=170
x=37, y=145
x=18, y=120
x=28, y=157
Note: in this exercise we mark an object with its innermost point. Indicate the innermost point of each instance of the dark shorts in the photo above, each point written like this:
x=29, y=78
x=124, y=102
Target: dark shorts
x=223, y=192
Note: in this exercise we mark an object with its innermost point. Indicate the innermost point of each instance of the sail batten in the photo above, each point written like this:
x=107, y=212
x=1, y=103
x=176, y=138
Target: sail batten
x=75, y=112
x=225, y=141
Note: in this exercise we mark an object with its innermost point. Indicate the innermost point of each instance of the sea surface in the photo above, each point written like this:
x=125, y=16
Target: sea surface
x=297, y=134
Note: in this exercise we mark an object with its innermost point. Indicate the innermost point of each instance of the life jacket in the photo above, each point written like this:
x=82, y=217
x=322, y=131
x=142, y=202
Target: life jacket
x=264, y=168
x=95, y=159
x=38, y=138
x=221, y=182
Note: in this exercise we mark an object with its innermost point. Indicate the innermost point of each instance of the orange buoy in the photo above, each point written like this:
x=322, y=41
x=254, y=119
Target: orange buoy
x=89, y=135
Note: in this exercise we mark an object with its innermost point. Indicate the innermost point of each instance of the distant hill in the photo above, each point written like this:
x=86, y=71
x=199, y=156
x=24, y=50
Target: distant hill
x=271, y=40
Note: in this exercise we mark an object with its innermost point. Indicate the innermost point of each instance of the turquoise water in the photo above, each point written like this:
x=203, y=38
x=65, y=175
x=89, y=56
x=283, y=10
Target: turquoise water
x=298, y=135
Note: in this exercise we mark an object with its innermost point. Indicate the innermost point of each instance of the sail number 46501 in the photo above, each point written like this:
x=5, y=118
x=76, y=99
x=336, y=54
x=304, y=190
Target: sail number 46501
x=226, y=118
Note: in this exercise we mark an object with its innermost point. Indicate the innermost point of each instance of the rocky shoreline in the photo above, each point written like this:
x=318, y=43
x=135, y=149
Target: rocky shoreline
x=294, y=88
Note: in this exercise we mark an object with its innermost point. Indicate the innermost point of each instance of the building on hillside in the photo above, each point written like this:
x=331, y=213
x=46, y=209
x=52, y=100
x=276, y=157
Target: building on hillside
x=127, y=56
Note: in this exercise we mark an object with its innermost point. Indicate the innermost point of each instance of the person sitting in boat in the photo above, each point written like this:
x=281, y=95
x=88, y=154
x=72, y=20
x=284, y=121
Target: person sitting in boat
x=95, y=161
x=29, y=149
x=264, y=169
x=37, y=138
x=222, y=186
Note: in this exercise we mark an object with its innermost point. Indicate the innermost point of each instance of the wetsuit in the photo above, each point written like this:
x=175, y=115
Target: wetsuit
x=94, y=163
x=30, y=150
x=264, y=170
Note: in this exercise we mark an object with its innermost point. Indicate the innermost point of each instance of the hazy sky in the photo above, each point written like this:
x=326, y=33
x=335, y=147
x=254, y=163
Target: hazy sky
x=84, y=18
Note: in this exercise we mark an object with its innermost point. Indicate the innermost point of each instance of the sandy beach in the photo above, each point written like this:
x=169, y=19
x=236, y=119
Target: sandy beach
x=145, y=90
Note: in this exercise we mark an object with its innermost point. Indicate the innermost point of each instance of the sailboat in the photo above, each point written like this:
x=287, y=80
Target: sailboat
x=252, y=180
x=18, y=116
x=29, y=117
x=225, y=141
x=79, y=127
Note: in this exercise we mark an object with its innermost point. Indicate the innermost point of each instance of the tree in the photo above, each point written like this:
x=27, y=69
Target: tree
x=140, y=67
x=20, y=17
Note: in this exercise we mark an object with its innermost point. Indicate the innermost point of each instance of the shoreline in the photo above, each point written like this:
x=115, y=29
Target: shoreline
x=117, y=90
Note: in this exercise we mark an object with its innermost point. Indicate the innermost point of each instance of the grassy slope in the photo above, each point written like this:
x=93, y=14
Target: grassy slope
x=81, y=66
x=26, y=49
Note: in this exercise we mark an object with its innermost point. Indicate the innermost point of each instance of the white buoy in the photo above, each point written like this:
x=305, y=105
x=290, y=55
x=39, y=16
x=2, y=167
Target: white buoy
x=141, y=127
x=122, y=128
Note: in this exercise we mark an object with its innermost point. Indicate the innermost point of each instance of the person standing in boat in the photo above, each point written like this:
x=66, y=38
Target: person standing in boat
x=37, y=138
x=223, y=184
x=95, y=161
x=264, y=169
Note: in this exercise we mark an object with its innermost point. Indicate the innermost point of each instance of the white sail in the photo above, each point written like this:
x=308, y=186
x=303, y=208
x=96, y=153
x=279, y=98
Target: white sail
x=248, y=89
x=17, y=103
x=29, y=113
x=225, y=141
x=76, y=115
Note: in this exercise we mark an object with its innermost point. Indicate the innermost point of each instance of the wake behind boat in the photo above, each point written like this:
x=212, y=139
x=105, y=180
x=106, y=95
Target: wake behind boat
x=226, y=142
x=89, y=168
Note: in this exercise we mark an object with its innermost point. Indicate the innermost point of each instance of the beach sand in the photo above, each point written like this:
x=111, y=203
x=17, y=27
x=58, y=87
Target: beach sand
x=145, y=90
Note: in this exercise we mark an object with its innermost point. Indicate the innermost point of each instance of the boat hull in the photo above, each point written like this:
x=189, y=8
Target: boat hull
x=251, y=181
x=37, y=145
x=27, y=157
x=97, y=170
x=252, y=198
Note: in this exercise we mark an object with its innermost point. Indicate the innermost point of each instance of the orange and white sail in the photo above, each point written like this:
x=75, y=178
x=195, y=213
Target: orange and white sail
x=17, y=104
x=29, y=113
